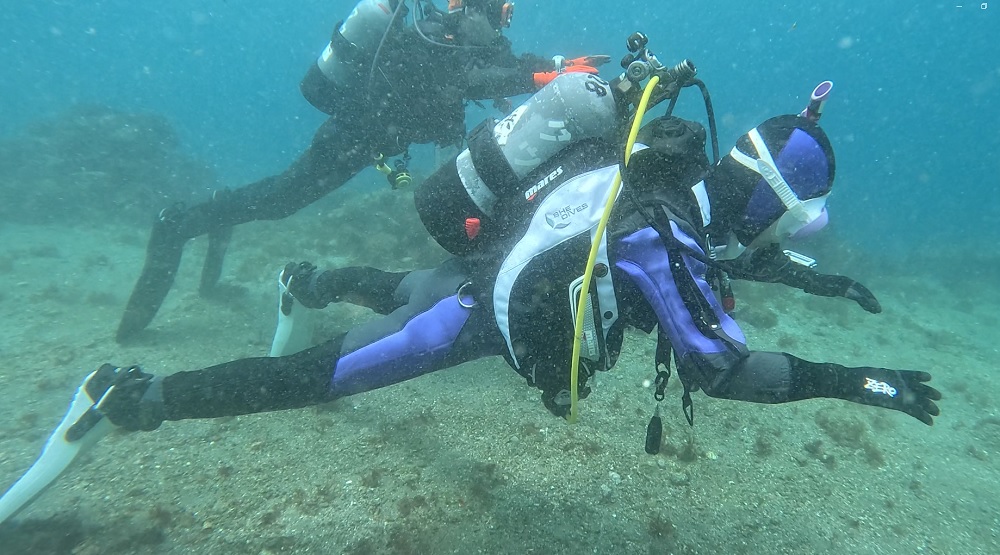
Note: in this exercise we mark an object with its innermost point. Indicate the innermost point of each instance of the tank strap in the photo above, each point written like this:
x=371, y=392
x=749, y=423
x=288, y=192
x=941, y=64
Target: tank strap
x=489, y=161
x=343, y=48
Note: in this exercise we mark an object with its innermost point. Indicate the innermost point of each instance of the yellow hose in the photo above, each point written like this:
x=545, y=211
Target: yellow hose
x=588, y=274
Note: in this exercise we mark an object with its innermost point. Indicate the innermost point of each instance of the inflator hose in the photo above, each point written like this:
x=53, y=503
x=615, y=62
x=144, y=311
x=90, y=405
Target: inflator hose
x=588, y=275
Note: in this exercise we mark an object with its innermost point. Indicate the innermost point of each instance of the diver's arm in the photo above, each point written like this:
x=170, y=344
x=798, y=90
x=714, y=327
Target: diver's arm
x=499, y=82
x=503, y=74
x=765, y=377
x=771, y=265
x=718, y=363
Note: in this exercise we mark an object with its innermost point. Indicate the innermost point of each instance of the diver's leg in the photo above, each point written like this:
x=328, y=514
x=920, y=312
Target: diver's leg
x=301, y=288
x=163, y=258
x=218, y=244
x=434, y=331
x=372, y=288
x=334, y=156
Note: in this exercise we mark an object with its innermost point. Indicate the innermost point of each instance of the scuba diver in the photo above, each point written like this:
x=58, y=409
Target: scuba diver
x=385, y=84
x=660, y=222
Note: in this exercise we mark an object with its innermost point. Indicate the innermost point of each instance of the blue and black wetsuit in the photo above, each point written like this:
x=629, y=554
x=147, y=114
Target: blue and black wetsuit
x=518, y=308
x=425, y=328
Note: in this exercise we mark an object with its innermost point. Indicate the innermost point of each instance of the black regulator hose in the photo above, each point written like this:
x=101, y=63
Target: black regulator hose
x=400, y=7
x=712, y=129
x=709, y=111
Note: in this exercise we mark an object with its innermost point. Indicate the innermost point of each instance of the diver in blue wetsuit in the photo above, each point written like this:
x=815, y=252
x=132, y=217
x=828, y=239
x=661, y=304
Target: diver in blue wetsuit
x=515, y=286
x=511, y=298
x=520, y=209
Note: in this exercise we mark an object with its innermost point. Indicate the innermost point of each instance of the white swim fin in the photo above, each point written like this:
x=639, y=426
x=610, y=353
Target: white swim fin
x=295, y=324
x=59, y=452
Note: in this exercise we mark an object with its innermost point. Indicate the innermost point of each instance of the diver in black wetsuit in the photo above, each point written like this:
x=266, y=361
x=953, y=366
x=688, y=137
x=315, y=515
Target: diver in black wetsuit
x=385, y=84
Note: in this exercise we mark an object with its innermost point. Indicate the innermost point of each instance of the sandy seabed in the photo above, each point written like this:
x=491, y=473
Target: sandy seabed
x=468, y=460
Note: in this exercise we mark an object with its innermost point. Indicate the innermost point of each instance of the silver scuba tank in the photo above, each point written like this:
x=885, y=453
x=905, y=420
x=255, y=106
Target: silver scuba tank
x=352, y=47
x=494, y=174
x=572, y=108
x=363, y=30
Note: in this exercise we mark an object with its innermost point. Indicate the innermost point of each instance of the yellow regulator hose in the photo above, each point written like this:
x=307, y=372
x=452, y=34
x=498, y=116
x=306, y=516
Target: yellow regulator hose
x=588, y=275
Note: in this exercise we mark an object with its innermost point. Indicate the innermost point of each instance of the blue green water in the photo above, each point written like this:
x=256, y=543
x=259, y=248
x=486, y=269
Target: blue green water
x=467, y=461
x=913, y=116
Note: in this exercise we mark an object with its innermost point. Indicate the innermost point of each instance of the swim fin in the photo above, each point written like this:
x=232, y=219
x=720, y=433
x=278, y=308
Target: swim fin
x=218, y=243
x=163, y=258
x=294, y=332
x=59, y=452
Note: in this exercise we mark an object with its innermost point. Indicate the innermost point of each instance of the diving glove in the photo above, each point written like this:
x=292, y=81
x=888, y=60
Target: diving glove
x=903, y=390
x=583, y=64
x=843, y=286
x=594, y=60
x=771, y=265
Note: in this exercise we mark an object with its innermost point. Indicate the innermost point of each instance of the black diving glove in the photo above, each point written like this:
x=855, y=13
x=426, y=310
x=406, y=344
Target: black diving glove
x=128, y=397
x=843, y=286
x=902, y=390
x=301, y=280
x=771, y=265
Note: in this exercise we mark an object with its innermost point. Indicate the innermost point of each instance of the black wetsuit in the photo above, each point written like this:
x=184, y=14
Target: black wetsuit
x=416, y=94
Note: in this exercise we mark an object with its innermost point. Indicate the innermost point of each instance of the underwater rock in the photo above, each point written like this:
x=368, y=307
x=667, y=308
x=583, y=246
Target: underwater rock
x=92, y=164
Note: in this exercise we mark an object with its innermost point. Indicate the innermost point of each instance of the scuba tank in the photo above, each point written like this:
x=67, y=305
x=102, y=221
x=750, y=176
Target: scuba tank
x=349, y=51
x=504, y=170
x=509, y=165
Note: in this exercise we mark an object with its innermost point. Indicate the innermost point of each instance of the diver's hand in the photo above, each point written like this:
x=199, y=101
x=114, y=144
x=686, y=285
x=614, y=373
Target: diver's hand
x=300, y=279
x=593, y=61
x=902, y=390
x=842, y=286
x=861, y=295
x=583, y=64
x=545, y=77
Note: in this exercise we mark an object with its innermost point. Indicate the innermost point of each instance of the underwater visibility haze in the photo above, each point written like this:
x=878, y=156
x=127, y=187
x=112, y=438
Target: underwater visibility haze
x=113, y=110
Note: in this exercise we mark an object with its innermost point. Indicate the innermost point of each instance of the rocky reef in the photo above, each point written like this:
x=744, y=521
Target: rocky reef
x=93, y=163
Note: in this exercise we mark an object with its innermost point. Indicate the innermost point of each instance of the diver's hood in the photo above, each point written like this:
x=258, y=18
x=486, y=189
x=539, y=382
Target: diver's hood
x=773, y=184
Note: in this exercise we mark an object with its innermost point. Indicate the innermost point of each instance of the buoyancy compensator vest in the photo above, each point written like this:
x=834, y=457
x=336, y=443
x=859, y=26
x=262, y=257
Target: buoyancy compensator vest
x=536, y=288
